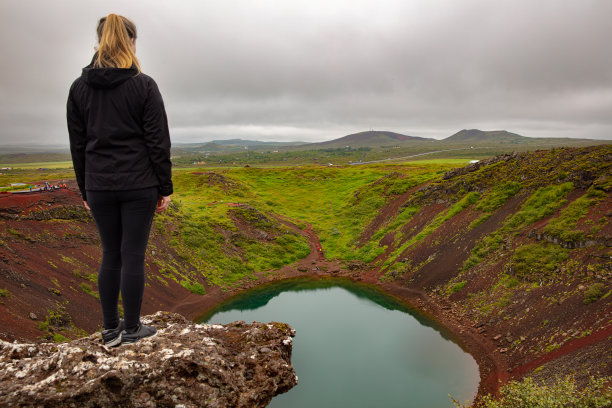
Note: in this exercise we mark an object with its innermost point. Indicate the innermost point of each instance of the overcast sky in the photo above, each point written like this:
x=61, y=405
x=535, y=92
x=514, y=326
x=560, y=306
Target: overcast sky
x=317, y=70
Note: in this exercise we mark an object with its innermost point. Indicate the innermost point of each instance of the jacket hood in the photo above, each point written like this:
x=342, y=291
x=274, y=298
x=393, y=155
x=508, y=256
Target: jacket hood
x=105, y=78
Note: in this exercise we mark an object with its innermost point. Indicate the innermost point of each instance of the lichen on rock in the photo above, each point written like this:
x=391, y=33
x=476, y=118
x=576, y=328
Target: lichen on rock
x=185, y=364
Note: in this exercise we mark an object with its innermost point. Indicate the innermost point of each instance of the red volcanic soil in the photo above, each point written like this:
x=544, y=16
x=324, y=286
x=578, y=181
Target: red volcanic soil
x=49, y=254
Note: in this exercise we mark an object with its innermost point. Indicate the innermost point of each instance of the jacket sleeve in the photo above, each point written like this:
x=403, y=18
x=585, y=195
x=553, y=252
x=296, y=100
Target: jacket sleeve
x=157, y=138
x=77, y=133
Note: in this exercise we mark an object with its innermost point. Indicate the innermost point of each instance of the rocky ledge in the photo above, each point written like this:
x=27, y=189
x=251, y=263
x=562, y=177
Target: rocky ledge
x=184, y=365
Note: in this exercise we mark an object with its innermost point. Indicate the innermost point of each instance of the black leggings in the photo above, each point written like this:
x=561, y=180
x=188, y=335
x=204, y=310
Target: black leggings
x=124, y=221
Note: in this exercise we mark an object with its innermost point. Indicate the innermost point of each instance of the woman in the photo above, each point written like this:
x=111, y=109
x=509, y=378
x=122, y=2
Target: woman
x=120, y=147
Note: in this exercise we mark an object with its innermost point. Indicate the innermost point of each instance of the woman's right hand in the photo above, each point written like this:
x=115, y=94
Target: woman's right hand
x=162, y=204
x=86, y=206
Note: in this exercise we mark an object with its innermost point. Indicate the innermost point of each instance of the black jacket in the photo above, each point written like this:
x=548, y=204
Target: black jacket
x=118, y=129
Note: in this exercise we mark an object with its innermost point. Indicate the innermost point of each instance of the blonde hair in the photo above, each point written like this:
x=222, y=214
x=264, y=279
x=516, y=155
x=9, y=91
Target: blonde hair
x=115, y=33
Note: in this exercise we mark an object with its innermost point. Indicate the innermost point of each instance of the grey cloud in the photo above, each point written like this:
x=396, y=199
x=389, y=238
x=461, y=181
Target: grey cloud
x=312, y=70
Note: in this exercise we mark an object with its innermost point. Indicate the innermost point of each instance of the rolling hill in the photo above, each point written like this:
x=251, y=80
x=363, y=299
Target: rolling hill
x=479, y=136
x=369, y=138
x=503, y=138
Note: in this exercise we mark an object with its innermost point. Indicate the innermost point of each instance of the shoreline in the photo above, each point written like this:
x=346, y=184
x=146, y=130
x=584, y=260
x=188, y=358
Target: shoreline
x=493, y=370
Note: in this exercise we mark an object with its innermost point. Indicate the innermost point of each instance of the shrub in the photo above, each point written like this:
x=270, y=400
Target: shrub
x=594, y=293
x=563, y=393
x=59, y=318
x=196, y=287
x=458, y=286
x=4, y=293
x=58, y=338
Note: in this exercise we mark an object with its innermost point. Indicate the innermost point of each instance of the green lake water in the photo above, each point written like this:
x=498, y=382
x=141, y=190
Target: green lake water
x=355, y=347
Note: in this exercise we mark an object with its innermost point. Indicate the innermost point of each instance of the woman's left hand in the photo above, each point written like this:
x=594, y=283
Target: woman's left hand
x=162, y=204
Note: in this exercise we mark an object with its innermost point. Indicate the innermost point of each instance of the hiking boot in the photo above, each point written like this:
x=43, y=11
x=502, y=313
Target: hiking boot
x=112, y=337
x=139, y=333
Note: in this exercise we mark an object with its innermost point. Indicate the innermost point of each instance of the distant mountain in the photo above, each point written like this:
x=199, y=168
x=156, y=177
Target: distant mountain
x=370, y=138
x=479, y=136
x=505, y=139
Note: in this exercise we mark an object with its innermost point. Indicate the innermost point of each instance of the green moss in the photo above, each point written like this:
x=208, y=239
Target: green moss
x=594, y=293
x=564, y=226
x=16, y=234
x=368, y=252
x=551, y=347
x=397, y=222
x=4, y=293
x=537, y=261
x=466, y=201
x=92, y=277
x=543, y=202
x=494, y=199
x=540, y=204
x=497, y=196
x=196, y=287
x=85, y=287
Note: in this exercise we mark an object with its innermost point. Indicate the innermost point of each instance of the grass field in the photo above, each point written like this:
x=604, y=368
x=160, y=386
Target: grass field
x=45, y=165
x=337, y=201
x=444, y=162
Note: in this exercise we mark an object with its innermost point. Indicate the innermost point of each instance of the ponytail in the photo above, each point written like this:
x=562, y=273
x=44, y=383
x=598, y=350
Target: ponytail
x=115, y=50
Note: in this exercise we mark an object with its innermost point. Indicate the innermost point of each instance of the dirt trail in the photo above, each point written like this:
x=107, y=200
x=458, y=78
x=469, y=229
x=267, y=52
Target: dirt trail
x=316, y=250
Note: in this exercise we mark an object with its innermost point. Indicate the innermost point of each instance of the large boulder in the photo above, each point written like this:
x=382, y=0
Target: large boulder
x=184, y=365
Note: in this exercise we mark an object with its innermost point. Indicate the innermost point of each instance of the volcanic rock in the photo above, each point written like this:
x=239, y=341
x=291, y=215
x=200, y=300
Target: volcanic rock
x=185, y=364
